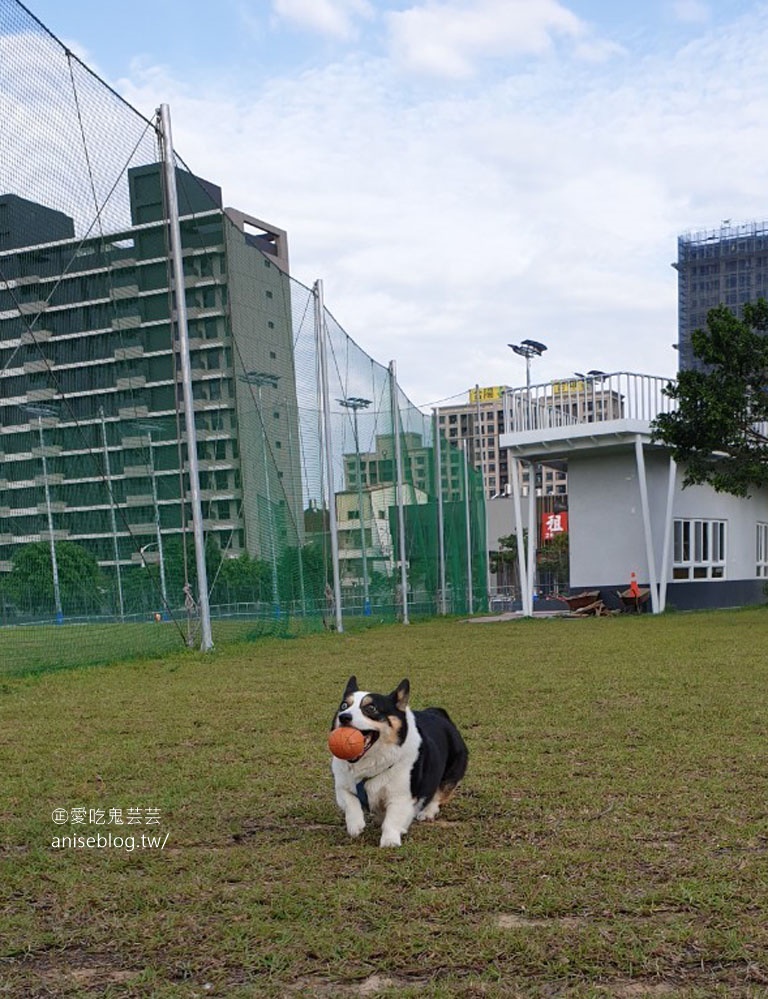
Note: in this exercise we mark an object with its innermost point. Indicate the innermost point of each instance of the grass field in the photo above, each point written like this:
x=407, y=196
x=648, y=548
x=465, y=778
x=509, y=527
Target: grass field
x=610, y=839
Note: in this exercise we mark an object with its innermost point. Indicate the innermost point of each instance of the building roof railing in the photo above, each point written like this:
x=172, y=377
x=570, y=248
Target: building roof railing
x=598, y=398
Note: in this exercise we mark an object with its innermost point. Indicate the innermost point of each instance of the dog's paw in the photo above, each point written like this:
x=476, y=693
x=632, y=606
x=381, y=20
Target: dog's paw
x=390, y=839
x=355, y=827
x=429, y=813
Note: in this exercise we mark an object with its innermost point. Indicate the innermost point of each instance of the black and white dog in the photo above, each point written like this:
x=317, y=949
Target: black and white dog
x=410, y=764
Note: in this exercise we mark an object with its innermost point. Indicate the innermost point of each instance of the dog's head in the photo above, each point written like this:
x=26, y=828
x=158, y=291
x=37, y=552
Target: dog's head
x=380, y=717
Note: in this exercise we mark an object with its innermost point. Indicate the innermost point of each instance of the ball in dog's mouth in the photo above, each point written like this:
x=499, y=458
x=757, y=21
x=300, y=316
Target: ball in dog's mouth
x=370, y=738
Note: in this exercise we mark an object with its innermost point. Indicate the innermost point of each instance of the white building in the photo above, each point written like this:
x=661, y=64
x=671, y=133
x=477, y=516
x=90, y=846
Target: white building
x=628, y=511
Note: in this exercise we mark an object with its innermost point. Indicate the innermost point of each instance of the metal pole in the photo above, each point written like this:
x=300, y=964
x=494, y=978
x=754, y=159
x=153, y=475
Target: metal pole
x=115, y=545
x=174, y=229
x=49, y=511
x=297, y=512
x=400, y=486
x=320, y=333
x=158, y=531
x=440, y=516
x=366, y=595
x=671, y=483
x=468, y=526
x=532, y=533
x=514, y=471
x=270, y=512
x=643, y=482
x=355, y=403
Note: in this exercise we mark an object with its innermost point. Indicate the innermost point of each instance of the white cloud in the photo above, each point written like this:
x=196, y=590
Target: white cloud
x=691, y=11
x=336, y=18
x=448, y=38
x=546, y=204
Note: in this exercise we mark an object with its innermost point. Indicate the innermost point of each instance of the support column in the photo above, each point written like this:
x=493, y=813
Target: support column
x=643, y=482
x=667, y=551
x=514, y=471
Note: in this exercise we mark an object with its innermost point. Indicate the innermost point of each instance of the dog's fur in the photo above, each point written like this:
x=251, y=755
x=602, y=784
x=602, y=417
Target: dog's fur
x=410, y=766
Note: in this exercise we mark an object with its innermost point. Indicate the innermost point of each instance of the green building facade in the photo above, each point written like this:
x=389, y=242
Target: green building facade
x=92, y=439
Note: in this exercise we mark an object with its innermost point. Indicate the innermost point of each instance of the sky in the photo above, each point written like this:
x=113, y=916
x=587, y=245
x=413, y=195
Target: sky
x=463, y=174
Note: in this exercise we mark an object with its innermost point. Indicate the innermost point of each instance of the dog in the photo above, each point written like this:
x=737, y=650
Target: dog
x=411, y=763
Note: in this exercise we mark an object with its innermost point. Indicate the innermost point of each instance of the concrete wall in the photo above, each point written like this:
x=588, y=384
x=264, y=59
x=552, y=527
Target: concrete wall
x=607, y=539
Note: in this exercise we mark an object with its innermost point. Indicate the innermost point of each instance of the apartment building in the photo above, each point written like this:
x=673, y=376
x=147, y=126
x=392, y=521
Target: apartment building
x=93, y=446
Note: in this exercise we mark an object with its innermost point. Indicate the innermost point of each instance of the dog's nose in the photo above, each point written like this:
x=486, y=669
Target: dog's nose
x=345, y=719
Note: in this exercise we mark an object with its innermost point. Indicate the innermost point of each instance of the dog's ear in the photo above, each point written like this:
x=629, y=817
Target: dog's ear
x=400, y=695
x=351, y=687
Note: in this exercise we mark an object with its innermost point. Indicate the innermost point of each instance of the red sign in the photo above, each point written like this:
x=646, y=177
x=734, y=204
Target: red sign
x=553, y=524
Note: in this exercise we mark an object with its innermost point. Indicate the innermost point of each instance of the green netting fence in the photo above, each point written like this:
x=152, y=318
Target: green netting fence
x=96, y=492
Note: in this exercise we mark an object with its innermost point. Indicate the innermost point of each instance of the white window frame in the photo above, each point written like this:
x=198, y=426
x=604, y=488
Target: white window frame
x=699, y=549
x=761, y=552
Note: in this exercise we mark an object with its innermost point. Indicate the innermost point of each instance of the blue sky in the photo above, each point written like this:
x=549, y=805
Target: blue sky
x=463, y=174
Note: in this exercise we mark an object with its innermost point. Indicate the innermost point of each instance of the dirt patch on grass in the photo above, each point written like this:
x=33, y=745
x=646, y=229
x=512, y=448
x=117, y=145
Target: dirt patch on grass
x=639, y=990
x=517, y=921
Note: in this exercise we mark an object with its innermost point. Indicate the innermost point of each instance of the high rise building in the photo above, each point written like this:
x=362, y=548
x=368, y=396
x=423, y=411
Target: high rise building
x=479, y=422
x=725, y=266
x=93, y=448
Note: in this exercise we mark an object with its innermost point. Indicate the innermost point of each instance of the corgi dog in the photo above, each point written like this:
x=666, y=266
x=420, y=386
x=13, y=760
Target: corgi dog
x=409, y=767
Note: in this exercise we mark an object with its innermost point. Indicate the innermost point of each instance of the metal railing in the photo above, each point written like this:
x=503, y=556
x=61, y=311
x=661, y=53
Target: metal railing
x=591, y=399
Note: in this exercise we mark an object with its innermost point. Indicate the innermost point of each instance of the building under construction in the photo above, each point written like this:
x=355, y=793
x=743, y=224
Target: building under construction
x=725, y=266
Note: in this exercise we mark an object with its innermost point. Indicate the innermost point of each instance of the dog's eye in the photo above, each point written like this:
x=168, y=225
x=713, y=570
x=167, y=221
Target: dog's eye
x=371, y=711
x=343, y=706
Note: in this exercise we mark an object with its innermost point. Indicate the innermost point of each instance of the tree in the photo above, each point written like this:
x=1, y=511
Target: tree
x=719, y=431
x=504, y=561
x=553, y=559
x=81, y=584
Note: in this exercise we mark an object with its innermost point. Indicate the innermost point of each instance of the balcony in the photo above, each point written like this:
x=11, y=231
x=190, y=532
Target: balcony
x=558, y=417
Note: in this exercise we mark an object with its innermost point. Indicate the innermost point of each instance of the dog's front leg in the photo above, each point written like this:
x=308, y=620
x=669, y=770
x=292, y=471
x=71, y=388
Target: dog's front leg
x=349, y=803
x=397, y=821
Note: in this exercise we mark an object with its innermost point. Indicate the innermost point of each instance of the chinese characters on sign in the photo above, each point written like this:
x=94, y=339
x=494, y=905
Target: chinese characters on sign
x=553, y=524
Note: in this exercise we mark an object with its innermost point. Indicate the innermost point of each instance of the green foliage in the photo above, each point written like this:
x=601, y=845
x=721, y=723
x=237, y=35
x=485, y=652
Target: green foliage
x=718, y=432
x=81, y=584
x=553, y=558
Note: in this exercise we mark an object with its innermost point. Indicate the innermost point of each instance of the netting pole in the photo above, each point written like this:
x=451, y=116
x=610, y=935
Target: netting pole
x=440, y=515
x=320, y=333
x=174, y=232
x=297, y=507
x=113, y=518
x=399, y=487
x=468, y=525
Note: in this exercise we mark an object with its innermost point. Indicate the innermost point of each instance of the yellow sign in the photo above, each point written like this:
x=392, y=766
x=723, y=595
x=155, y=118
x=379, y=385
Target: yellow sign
x=568, y=386
x=487, y=394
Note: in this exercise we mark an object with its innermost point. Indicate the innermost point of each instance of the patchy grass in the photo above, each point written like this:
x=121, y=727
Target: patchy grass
x=610, y=838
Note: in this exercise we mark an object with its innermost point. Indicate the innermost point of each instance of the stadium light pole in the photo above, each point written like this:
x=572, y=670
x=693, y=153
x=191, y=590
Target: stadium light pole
x=355, y=403
x=589, y=380
x=260, y=379
x=528, y=349
x=40, y=412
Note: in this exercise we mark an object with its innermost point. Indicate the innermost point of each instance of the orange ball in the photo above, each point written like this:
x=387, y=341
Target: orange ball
x=346, y=743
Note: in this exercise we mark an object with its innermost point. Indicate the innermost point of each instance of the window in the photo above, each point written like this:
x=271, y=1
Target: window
x=699, y=549
x=761, y=556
